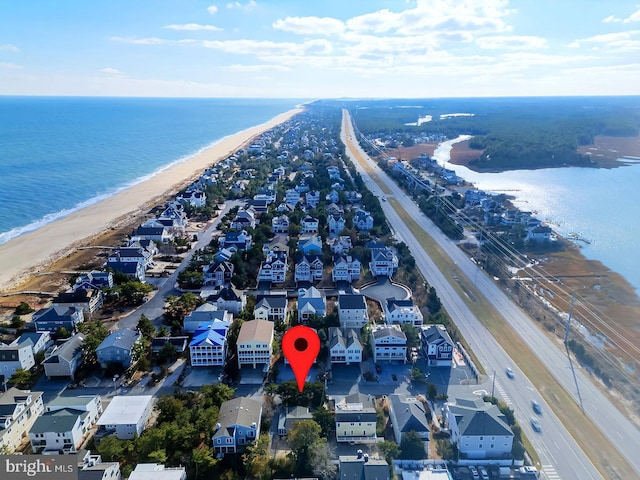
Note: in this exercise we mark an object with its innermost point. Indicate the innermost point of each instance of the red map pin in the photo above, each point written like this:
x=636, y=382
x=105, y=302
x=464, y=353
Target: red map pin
x=301, y=346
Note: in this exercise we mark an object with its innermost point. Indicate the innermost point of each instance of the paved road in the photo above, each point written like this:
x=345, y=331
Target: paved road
x=154, y=308
x=560, y=455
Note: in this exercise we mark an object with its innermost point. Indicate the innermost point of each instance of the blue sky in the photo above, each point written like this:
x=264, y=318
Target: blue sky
x=320, y=48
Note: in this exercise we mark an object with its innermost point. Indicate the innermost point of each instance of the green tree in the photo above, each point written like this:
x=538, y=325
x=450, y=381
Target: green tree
x=432, y=391
x=146, y=327
x=412, y=446
x=326, y=420
x=446, y=449
x=16, y=322
x=256, y=459
x=21, y=378
x=94, y=333
x=167, y=353
x=23, y=308
x=216, y=394
x=412, y=333
x=204, y=461
x=112, y=449
x=389, y=450
x=302, y=437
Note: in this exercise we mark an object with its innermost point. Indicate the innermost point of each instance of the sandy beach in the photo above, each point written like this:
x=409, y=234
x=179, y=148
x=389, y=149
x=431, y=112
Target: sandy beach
x=31, y=252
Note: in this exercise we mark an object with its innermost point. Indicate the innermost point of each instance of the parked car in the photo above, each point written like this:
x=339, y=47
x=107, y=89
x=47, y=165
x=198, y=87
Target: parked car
x=483, y=473
x=536, y=407
x=474, y=472
x=510, y=373
x=535, y=424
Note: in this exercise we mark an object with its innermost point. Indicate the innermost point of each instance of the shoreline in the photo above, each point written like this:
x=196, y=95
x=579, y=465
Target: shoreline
x=23, y=256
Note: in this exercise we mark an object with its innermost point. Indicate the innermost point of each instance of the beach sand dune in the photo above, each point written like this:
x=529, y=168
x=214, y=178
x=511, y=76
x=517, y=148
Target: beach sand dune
x=31, y=252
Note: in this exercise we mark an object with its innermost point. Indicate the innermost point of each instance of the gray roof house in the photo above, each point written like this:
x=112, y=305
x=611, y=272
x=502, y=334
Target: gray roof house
x=408, y=414
x=14, y=357
x=292, y=415
x=117, y=348
x=238, y=425
x=53, y=318
x=311, y=303
x=64, y=358
x=19, y=409
x=479, y=428
x=60, y=431
x=361, y=467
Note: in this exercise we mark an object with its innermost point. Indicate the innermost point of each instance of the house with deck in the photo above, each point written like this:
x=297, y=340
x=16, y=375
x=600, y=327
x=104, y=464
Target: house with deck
x=238, y=425
x=352, y=311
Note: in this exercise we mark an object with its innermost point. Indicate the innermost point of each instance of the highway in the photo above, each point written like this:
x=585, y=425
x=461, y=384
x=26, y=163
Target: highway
x=560, y=455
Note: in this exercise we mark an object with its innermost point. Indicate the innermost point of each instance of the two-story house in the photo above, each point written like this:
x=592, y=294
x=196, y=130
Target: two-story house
x=195, y=198
x=402, y=311
x=205, y=313
x=384, y=262
x=341, y=245
x=311, y=303
x=53, y=318
x=355, y=418
x=479, y=429
x=95, y=279
x=244, y=219
x=292, y=197
x=389, y=343
x=309, y=225
x=217, y=273
x=345, y=269
x=255, y=343
x=362, y=221
x=89, y=299
x=310, y=244
x=126, y=416
x=19, y=409
x=228, y=299
x=238, y=425
x=437, y=346
x=241, y=240
x=119, y=348
x=345, y=346
x=271, y=307
x=14, y=357
x=308, y=268
x=336, y=224
x=312, y=198
x=352, y=311
x=64, y=357
x=153, y=230
x=280, y=224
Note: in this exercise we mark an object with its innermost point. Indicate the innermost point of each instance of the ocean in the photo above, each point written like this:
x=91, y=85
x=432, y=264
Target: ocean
x=59, y=154
x=598, y=206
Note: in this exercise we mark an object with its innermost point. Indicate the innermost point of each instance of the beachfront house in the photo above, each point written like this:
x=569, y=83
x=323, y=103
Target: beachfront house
x=89, y=299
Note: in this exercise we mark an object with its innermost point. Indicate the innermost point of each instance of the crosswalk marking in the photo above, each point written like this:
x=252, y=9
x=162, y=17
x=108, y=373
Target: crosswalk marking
x=503, y=394
x=550, y=472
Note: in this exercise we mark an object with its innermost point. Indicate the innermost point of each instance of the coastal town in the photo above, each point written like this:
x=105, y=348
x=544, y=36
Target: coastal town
x=163, y=358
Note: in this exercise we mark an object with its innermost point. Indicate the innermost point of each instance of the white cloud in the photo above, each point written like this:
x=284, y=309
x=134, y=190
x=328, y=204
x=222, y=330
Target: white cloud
x=250, y=5
x=212, y=9
x=7, y=47
x=267, y=47
x=153, y=41
x=10, y=66
x=620, y=41
x=634, y=17
x=192, y=27
x=111, y=71
x=310, y=25
x=511, y=42
x=258, y=68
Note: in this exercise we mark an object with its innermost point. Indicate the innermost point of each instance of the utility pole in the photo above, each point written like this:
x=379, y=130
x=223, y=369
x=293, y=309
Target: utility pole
x=493, y=385
x=566, y=346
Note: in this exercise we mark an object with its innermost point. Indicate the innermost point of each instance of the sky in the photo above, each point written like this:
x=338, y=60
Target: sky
x=319, y=48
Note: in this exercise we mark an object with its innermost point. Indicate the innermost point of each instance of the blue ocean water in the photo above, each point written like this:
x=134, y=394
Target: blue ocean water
x=58, y=154
x=597, y=205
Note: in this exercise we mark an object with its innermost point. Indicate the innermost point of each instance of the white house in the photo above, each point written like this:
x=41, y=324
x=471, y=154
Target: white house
x=309, y=225
x=362, y=221
x=352, y=311
x=389, y=344
x=437, y=346
x=355, y=418
x=312, y=198
x=208, y=347
x=271, y=307
x=345, y=269
x=345, y=346
x=40, y=341
x=238, y=239
x=280, y=224
x=384, y=262
x=195, y=198
x=14, y=357
x=217, y=273
x=19, y=409
x=478, y=428
x=157, y=471
x=238, y=425
x=228, y=299
x=244, y=219
x=126, y=416
x=402, y=311
x=341, y=245
x=309, y=268
x=255, y=343
x=336, y=224
x=274, y=268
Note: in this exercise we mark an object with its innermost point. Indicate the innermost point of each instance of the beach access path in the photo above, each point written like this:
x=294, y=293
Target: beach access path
x=27, y=254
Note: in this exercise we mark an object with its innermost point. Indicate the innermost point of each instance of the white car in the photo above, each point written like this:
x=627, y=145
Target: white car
x=483, y=473
x=510, y=373
x=535, y=424
x=474, y=472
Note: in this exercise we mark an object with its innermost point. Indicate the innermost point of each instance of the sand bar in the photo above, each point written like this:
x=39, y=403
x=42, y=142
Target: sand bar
x=24, y=255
